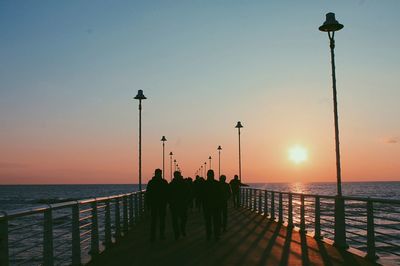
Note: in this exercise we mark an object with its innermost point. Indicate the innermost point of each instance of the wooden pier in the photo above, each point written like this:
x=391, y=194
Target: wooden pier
x=251, y=239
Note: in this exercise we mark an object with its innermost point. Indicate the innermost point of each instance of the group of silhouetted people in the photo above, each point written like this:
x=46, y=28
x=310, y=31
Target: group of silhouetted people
x=208, y=196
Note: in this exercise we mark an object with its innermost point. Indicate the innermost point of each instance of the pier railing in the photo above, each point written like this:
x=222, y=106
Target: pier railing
x=372, y=226
x=69, y=233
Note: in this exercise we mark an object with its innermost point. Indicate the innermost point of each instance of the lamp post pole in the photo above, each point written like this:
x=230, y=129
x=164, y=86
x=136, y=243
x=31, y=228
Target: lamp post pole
x=239, y=126
x=170, y=160
x=174, y=164
x=330, y=26
x=205, y=169
x=209, y=158
x=140, y=97
x=163, y=139
x=219, y=160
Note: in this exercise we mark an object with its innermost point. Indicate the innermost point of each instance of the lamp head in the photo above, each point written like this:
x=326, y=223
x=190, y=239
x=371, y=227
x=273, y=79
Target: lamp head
x=171, y=153
x=163, y=138
x=219, y=148
x=330, y=24
x=239, y=125
x=140, y=95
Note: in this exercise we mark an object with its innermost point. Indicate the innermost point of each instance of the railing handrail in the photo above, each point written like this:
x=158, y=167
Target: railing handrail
x=355, y=198
x=43, y=207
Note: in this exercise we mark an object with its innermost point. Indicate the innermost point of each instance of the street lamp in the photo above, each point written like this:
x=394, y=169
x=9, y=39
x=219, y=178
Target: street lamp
x=163, y=139
x=219, y=160
x=170, y=160
x=205, y=169
x=239, y=126
x=174, y=164
x=330, y=26
x=209, y=158
x=140, y=96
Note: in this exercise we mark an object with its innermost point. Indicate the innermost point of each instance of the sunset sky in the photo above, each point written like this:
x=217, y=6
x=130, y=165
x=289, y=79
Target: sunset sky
x=69, y=71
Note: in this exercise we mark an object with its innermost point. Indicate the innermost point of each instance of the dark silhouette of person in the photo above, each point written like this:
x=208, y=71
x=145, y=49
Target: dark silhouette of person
x=189, y=182
x=235, y=188
x=212, y=202
x=178, y=203
x=226, y=194
x=197, y=192
x=156, y=199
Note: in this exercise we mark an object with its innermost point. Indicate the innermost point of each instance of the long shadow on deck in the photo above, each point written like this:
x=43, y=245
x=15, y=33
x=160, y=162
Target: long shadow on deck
x=251, y=239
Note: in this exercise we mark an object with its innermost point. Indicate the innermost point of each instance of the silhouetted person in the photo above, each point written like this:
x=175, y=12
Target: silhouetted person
x=212, y=202
x=197, y=191
x=156, y=198
x=178, y=202
x=226, y=194
x=189, y=182
x=235, y=188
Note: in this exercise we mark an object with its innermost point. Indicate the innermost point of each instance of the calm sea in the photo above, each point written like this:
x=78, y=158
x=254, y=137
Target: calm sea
x=21, y=196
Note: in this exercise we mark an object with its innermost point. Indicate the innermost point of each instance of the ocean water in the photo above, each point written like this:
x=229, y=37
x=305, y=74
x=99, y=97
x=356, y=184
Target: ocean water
x=14, y=197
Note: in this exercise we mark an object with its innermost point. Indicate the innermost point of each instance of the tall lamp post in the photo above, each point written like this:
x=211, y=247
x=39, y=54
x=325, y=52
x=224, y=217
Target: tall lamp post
x=219, y=160
x=209, y=158
x=239, y=126
x=330, y=26
x=140, y=96
x=205, y=169
x=163, y=139
x=175, y=164
x=170, y=160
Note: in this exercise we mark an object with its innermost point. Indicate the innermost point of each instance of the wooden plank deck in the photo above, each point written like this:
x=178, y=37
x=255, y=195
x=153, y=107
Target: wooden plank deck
x=251, y=239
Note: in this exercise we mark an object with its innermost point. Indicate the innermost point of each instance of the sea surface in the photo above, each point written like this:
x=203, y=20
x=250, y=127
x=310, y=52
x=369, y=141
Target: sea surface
x=15, y=197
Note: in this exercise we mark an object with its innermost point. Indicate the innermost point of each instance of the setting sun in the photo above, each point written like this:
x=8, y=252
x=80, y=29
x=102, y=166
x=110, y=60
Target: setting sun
x=298, y=154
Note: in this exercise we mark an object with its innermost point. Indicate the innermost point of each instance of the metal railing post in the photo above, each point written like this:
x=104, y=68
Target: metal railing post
x=265, y=203
x=290, y=210
x=107, y=225
x=254, y=200
x=48, y=252
x=302, y=215
x=76, y=237
x=371, y=251
x=259, y=201
x=4, y=249
x=136, y=208
x=272, y=205
x=117, y=220
x=131, y=218
x=249, y=198
x=125, y=214
x=280, y=220
x=340, y=224
x=317, y=221
x=94, y=244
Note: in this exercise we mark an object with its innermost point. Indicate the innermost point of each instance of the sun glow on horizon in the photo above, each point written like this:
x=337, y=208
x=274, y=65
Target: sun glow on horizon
x=298, y=154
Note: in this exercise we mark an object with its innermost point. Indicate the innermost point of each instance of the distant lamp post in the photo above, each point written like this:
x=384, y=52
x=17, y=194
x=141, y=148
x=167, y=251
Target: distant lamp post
x=330, y=26
x=201, y=171
x=209, y=158
x=140, y=96
x=163, y=139
x=239, y=126
x=174, y=164
x=219, y=160
x=170, y=160
x=205, y=169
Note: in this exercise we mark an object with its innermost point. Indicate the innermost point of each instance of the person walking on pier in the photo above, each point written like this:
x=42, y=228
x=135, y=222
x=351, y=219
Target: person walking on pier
x=212, y=202
x=226, y=194
x=156, y=198
x=235, y=184
x=178, y=203
x=197, y=191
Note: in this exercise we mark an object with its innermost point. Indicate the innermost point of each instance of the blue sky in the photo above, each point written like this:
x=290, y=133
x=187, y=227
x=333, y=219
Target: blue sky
x=69, y=69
